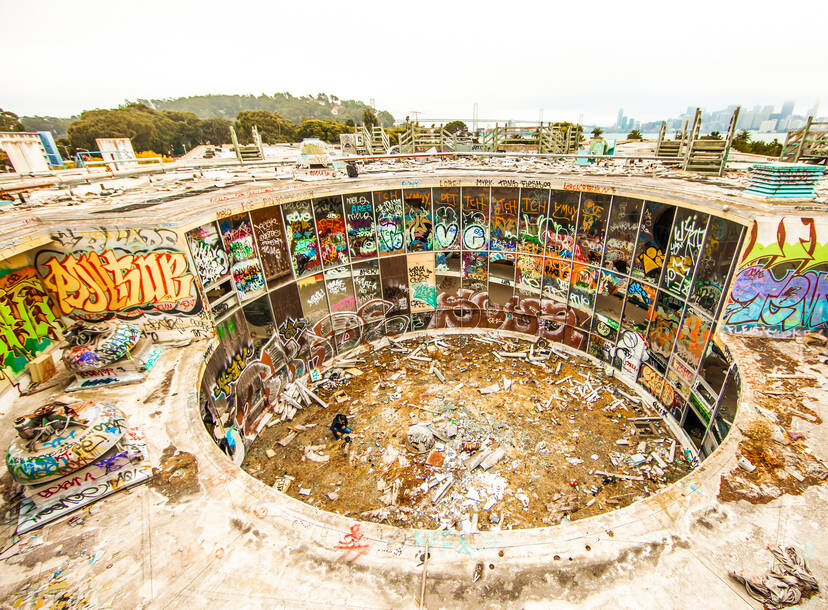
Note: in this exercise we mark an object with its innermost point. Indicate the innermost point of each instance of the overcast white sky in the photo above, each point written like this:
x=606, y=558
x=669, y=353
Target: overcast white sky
x=513, y=58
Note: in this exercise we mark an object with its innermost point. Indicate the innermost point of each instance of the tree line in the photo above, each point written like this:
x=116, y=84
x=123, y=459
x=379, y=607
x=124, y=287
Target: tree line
x=322, y=106
x=174, y=132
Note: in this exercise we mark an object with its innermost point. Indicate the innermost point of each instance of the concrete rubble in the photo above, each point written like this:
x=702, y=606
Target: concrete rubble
x=473, y=446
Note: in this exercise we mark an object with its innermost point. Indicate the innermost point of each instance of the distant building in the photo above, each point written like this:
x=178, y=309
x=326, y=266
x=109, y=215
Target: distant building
x=787, y=109
x=768, y=126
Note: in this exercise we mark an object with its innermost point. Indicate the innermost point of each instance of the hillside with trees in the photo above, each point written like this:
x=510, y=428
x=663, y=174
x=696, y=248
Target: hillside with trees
x=322, y=107
x=165, y=132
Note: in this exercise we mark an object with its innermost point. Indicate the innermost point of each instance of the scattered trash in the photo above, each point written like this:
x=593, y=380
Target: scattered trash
x=478, y=572
x=436, y=458
x=287, y=439
x=785, y=583
x=492, y=458
x=420, y=438
x=746, y=464
x=311, y=455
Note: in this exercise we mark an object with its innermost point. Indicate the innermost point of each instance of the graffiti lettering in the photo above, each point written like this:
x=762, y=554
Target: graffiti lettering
x=94, y=283
x=231, y=372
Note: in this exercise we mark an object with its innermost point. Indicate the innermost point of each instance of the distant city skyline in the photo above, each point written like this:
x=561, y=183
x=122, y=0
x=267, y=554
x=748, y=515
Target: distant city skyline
x=437, y=58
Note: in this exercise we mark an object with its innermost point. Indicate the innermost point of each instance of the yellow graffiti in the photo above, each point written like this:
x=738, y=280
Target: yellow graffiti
x=232, y=372
x=96, y=283
x=651, y=259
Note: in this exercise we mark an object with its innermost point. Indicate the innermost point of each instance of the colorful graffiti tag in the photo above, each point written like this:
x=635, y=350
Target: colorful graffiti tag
x=94, y=283
x=781, y=287
x=209, y=257
x=543, y=317
x=27, y=323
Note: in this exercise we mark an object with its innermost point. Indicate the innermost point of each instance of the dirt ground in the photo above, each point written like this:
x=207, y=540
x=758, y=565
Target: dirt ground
x=569, y=448
x=774, y=443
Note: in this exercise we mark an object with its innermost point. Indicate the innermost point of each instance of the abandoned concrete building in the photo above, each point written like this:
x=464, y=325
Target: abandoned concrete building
x=452, y=380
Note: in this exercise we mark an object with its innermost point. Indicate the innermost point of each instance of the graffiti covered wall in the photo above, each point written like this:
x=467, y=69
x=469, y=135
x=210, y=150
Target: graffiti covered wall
x=140, y=275
x=284, y=287
x=28, y=320
x=781, y=285
x=632, y=282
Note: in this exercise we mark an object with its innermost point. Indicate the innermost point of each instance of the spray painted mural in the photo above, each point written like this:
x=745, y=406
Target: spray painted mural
x=447, y=219
x=388, y=206
x=781, y=286
x=28, y=323
x=562, y=265
x=245, y=269
x=330, y=227
x=301, y=237
x=362, y=230
x=270, y=238
x=421, y=281
x=418, y=220
x=104, y=274
x=209, y=258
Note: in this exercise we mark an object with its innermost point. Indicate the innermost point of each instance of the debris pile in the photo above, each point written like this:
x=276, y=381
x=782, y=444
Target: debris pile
x=469, y=432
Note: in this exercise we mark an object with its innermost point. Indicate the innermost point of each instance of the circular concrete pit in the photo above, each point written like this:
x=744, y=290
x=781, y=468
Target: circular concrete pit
x=470, y=431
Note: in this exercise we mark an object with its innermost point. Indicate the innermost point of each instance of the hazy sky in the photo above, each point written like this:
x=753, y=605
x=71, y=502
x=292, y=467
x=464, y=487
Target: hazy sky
x=513, y=58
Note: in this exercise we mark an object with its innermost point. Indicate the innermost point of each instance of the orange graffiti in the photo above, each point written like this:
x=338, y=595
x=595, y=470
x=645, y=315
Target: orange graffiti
x=96, y=283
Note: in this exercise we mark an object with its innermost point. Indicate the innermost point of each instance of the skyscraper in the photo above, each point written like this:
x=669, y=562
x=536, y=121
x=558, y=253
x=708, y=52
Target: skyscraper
x=620, y=120
x=787, y=109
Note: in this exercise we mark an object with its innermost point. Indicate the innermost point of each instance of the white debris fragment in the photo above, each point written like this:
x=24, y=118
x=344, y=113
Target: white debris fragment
x=489, y=389
x=746, y=464
x=288, y=438
x=493, y=459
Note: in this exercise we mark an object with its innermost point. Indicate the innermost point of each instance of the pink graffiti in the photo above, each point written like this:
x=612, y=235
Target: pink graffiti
x=546, y=318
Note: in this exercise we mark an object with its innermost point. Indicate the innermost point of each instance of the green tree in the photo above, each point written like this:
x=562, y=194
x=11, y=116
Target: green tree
x=56, y=125
x=369, y=119
x=272, y=127
x=9, y=121
x=596, y=133
x=133, y=122
x=168, y=132
x=458, y=127
x=328, y=131
x=216, y=131
x=741, y=141
x=635, y=135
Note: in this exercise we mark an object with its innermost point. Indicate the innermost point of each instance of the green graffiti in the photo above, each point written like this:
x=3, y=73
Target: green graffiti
x=27, y=323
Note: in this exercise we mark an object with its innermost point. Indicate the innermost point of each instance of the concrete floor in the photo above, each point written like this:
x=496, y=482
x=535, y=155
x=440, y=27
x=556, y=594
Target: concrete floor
x=235, y=543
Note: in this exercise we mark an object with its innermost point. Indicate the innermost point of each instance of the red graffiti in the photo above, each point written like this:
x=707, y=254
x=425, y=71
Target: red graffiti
x=353, y=543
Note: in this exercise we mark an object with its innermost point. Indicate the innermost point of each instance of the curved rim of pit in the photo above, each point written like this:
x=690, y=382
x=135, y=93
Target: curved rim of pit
x=647, y=519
